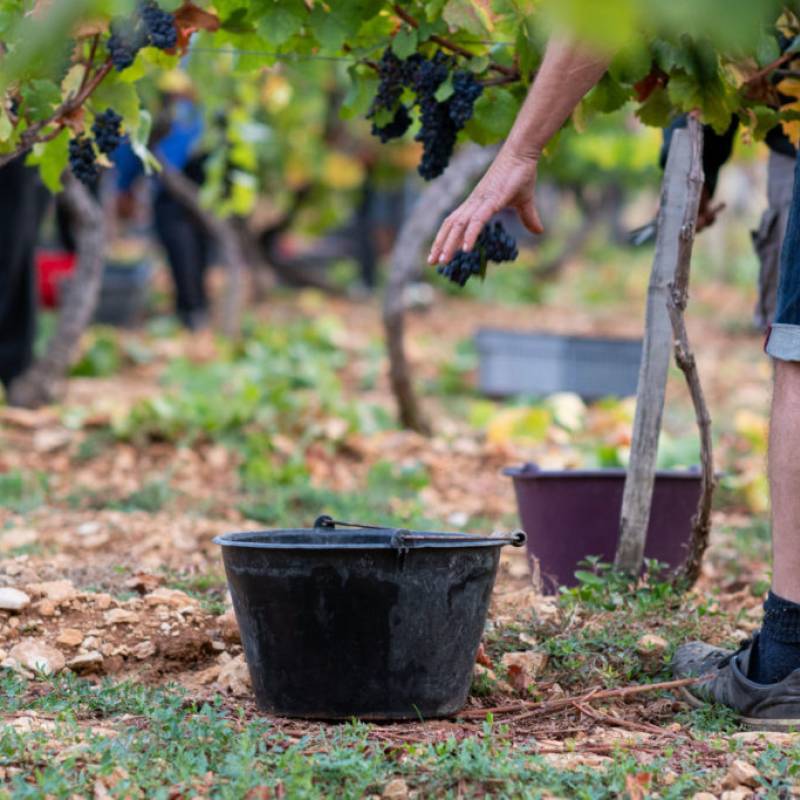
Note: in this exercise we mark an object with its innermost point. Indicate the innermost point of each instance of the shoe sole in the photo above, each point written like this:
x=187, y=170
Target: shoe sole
x=753, y=724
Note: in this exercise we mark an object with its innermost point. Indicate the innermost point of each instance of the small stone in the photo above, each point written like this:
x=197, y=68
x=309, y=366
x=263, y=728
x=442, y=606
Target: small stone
x=234, y=677
x=704, y=796
x=86, y=662
x=651, y=644
x=70, y=637
x=37, y=656
x=229, y=627
x=57, y=591
x=523, y=668
x=88, y=528
x=739, y=793
x=102, y=600
x=174, y=598
x=13, y=599
x=47, y=608
x=396, y=789
x=17, y=537
x=741, y=773
x=120, y=616
x=144, y=650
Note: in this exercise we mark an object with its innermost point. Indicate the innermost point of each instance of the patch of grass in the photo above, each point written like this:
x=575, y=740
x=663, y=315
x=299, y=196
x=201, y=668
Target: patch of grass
x=390, y=496
x=93, y=445
x=102, y=358
x=172, y=746
x=207, y=587
x=22, y=492
x=152, y=497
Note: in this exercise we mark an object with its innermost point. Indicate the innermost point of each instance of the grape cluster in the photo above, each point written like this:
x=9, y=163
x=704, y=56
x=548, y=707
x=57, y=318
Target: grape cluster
x=396, y=127
x=125, y=42
x=160, y=26
x=497, y=243
x=83, y=161
x=494, y=243
x=462, y=266
x=466, y=90
x=107, y=131
x=440, y=121
x=149, y=25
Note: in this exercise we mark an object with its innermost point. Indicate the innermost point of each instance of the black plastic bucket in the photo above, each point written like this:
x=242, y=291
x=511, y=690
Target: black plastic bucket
x=376, y=623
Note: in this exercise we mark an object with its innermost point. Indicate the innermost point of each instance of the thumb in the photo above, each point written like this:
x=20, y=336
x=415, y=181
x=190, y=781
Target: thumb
x=530, y=217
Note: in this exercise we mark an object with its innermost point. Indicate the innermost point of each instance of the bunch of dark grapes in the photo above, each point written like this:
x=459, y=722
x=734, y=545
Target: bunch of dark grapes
x=149, y=25
x=107, y=131
x=83, y=160
x=440, y=121
x=125, y=42
x=494, y=243
x=497, y=243
x=466, y=90
x=396, y=127
x=462, y=266
x=160, y=26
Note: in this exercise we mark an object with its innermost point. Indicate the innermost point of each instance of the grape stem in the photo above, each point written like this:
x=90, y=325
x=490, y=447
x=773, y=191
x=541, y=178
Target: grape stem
x=33, y=135
x=509, y=72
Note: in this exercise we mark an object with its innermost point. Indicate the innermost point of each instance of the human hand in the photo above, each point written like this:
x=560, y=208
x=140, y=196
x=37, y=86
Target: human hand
x=508, y=183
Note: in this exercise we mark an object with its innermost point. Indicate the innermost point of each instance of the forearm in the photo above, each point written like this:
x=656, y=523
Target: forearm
x=567, y=73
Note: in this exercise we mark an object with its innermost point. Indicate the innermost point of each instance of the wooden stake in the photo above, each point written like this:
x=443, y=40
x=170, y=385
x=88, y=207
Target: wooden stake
x=680, y=198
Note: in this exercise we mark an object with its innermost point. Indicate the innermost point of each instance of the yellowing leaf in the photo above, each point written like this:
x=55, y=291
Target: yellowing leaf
x=276, y=92
x=519, y=424
x=342, y=171
x=752, y=427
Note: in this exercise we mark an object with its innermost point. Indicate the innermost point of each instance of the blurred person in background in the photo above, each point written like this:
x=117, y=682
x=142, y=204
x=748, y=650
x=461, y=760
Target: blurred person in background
x=176, y=142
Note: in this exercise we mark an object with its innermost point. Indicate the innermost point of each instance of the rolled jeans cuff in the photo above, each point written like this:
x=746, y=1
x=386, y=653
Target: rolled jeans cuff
x=783, y=342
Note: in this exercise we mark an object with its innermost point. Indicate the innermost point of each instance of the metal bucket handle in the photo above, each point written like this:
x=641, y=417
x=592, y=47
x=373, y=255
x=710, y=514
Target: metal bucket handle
x=403, y=538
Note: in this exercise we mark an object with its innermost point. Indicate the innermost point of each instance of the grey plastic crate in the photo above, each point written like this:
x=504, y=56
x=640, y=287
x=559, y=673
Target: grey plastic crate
x=123, y=293
x=515, y=363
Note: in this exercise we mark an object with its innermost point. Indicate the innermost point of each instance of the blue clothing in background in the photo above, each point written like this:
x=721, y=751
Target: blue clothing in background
x=175, y=149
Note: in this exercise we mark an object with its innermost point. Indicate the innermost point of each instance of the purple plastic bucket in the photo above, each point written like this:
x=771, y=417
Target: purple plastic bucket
x=571, y=514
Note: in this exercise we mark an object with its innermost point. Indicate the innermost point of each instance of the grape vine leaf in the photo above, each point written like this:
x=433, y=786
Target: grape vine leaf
x=51, y=158
x=404, y=42
x=493, y=115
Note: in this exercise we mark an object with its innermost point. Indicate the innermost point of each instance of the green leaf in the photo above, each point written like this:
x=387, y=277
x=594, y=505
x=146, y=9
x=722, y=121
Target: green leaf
x=52, y=158
x=40, y=97
x=281, y=21
x=589, y=578
x=466, y=15
x=631, y=63
x=120, y=96
x=716, y=101
x=140, y=136
x=360, y=93
x=657, y=109
x=333, y=29
x=607, y=96
x=493, y=115
x=768, y=49
x=445, y=91
x=6, y=128
x=404, y=42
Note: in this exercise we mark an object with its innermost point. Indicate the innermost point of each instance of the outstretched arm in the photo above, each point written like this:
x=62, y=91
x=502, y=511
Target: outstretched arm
x=567, y=73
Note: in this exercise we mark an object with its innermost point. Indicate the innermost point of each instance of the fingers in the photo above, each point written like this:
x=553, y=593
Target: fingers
x=530, y=217
x=475, y=226
x=453, y=242
x=441, y=238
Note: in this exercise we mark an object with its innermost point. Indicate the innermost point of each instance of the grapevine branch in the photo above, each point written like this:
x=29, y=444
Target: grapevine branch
x=677, y=300
x=511, y=73
x=33, y=135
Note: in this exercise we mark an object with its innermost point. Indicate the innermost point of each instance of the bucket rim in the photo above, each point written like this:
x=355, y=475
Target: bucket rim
x=532, y=472
x=454, y=540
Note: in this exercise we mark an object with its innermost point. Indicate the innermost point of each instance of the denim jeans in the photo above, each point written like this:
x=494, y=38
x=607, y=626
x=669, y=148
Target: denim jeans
x=783, y=341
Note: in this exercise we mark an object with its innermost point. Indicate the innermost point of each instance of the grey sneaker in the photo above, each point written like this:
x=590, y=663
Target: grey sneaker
x=766, y=707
